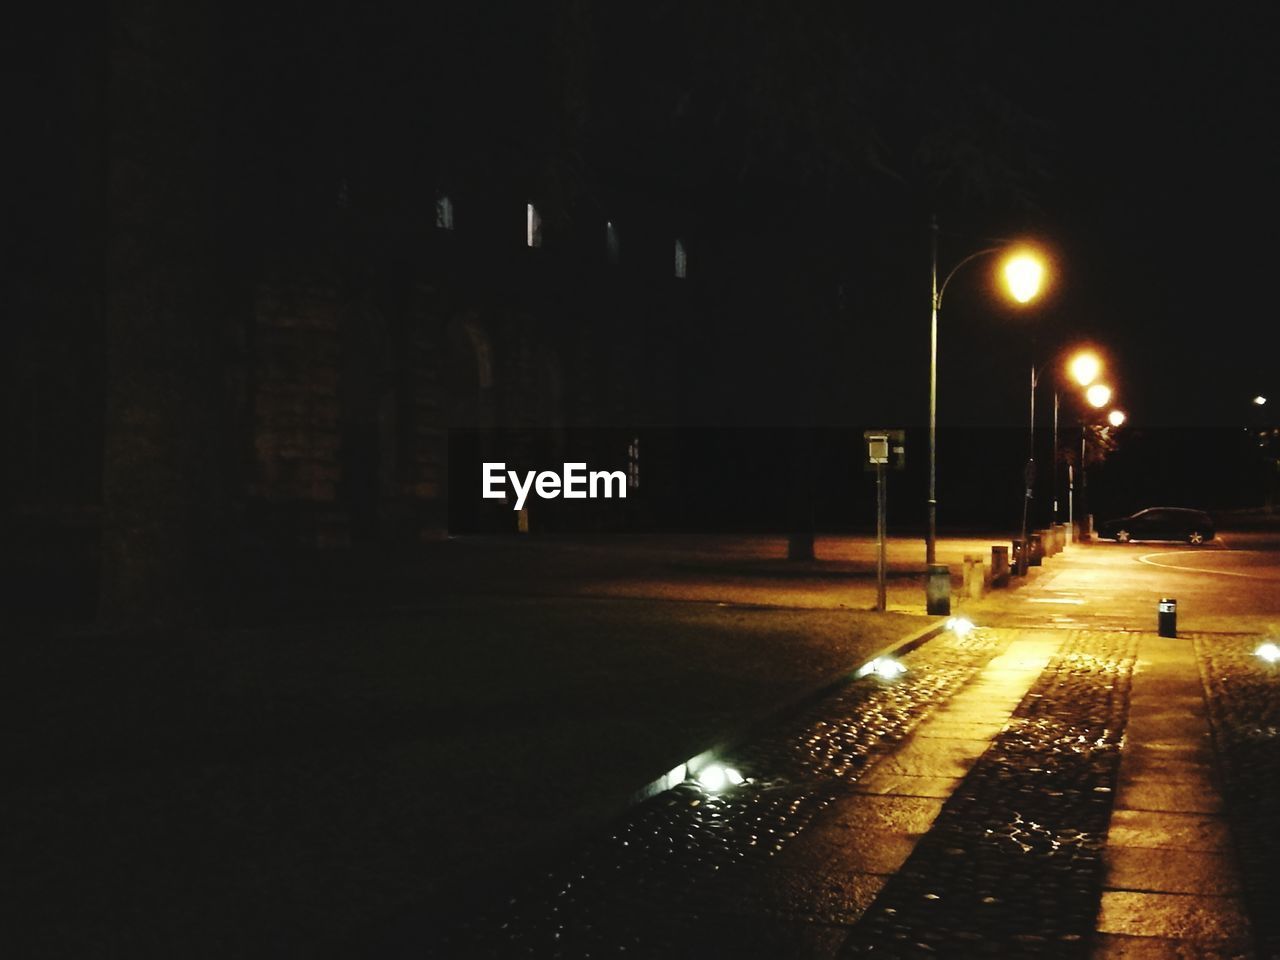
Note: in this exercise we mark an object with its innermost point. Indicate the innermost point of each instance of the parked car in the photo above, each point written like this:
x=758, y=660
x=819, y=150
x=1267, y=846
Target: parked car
x=1161, y=523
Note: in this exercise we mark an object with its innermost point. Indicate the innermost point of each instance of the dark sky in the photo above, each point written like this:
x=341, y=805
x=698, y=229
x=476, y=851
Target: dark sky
x=1166, y=198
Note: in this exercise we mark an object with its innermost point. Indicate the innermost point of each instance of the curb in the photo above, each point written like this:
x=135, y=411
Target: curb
x=780, y=712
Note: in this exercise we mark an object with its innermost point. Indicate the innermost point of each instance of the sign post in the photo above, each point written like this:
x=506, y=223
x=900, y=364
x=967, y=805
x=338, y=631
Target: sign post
x=885, y=449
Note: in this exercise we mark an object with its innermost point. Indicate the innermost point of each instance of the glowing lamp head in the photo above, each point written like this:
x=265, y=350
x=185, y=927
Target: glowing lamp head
x=1023, y=273
x=1098, y=395
x=1259, y=400
x=1268, y=652
x=1116, y=418
x=1085, y=368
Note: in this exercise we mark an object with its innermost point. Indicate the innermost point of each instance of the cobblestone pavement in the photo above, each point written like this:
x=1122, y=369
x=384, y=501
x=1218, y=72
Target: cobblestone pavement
x=1244, y=709
x=1013, y=866
x=913, y=817
x=694, y=873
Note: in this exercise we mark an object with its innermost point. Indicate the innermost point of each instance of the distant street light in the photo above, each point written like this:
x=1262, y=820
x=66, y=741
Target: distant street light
x=1098, y=395
x=1260, y=400
x=1085, y=368
x=1024, y=273
x=1116, y=418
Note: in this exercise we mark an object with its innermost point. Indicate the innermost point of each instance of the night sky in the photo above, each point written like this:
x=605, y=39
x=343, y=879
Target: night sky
x=1165, y=197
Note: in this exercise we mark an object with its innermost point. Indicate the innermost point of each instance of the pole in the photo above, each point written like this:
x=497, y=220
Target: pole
x=881, y=565
x=1053, y=518
x=1071, y=498
x=1084, y=493
x=930, y=545
x=1029, y=473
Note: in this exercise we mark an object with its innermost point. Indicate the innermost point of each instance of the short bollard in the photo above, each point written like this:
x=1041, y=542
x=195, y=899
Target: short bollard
x=1018, y=559
x=999, y=566
x=974, y=576
x=1046, y=542
x=1168, y=617
x=937, y=590
x=1035, y=549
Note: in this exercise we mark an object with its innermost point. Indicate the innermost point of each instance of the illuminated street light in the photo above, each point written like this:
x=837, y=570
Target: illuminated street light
x=1116, y=418
x=1085, y=368
x=1098, y=395
x=1259, y=400
x=1024, y=274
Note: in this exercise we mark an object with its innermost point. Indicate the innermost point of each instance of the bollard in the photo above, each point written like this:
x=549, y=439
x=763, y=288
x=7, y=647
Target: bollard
x=1047, y=546
x=1018, y=558
x=937, y=589
x=999, y=566
x=974, y=576
x=1168, y=617
x=1060, y=534
x=1035, y=549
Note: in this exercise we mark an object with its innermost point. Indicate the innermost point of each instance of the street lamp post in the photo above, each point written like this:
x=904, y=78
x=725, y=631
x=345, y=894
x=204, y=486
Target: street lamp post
x=1023, y=274
x=1084, y=367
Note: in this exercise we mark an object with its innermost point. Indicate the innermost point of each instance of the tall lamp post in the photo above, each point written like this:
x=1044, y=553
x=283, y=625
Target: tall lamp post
x=1023, y=275
x=1084, y=368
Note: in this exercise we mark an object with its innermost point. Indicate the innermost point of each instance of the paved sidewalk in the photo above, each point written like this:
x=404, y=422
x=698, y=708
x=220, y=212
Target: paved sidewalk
x=1171, y=878
x=1041, y=789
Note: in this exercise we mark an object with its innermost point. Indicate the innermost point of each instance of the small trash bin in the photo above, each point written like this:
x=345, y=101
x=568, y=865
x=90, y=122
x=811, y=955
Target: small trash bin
x=1168, y=617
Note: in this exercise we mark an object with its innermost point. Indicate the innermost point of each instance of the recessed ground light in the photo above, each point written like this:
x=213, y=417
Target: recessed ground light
x=884, y=667
x=715, y=777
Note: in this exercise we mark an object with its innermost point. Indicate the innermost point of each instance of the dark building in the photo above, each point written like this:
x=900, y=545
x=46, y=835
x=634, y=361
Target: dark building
x=271, y=256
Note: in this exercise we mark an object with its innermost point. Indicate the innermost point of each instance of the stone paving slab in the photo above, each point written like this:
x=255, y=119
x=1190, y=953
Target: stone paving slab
x=905, y=785
x=1157, y=829
x=1170, y=871
x=1218, y=922
x=1115, y=947
x=1195, y=795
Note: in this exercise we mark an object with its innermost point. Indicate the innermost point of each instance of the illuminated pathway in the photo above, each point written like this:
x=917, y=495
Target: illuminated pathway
x=1042, y=788
x=1170, y=873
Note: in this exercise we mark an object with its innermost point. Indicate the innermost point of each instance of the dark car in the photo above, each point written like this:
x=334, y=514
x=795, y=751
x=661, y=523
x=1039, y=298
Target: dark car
x=1161, y=523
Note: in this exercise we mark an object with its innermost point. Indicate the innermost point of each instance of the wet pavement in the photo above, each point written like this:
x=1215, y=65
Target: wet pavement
x=1244, y=712
x=692, y=871
x=1012, y=866
x=1066, y=789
